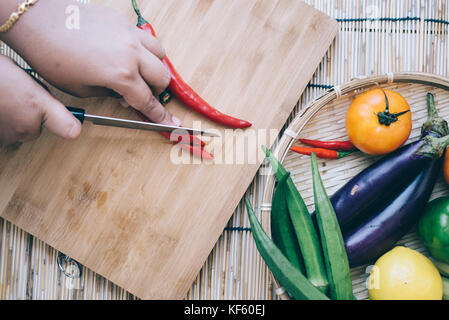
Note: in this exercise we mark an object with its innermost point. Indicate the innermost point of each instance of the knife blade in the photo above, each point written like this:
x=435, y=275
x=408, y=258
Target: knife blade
x=81, y=115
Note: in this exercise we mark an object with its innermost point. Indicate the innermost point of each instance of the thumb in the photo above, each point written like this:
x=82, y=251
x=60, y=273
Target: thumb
x=59, y=120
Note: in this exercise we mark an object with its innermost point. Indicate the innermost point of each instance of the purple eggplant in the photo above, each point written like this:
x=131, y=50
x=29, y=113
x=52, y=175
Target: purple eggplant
x=379, y=184
x=378, y=233
x=387, y=198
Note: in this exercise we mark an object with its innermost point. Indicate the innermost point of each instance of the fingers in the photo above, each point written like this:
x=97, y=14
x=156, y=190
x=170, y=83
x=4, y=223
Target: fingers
x=59, y=120
x=138, y=95
x=153, y=71
x=152, y=44
x=91, y=91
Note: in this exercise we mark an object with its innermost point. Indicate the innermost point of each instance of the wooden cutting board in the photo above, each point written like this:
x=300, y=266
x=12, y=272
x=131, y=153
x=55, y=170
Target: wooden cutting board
x=115, y=200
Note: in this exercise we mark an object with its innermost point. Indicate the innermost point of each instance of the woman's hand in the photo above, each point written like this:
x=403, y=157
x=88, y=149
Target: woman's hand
x=106, y=54
x=26, y=107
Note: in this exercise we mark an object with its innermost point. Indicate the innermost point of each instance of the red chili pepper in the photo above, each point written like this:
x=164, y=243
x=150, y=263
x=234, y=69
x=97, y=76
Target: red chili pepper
x=185, y=93
x=191, y=99
x=333, y=145
x=321, y=152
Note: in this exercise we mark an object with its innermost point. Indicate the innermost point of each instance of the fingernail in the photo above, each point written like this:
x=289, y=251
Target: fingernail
x=75, y=130
x=176, y=121
x=168, y=76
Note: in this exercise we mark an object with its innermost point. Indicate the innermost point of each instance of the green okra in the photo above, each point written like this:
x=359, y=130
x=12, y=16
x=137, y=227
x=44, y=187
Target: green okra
x=288, y=276
x=332, y=242
x=304, y=228
x=282, y=231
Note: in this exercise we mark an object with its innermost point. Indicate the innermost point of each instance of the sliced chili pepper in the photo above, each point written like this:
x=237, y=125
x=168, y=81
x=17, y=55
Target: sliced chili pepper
x=333, y=145
x=195, y=145
x=185, y=93
x=321, y=152
x=184, y=139
x=197, y=151
x=187, y=139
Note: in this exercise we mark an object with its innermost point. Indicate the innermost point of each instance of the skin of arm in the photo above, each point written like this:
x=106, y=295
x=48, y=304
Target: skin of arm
x=106, y=55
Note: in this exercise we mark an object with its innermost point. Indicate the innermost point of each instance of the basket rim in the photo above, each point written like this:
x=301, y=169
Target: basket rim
x=295, y=128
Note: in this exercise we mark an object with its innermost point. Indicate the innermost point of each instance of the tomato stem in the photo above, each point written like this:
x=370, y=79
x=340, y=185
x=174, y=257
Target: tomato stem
x=386, y=118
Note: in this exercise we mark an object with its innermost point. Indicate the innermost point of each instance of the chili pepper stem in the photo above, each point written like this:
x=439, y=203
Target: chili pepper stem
x=342, y=154
x=140, y=19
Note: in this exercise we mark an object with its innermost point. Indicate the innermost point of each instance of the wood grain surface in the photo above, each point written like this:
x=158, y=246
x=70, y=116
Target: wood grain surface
x=115, y=200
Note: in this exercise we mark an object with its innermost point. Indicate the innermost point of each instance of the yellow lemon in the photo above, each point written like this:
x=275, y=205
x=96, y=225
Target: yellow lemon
x=404, y=274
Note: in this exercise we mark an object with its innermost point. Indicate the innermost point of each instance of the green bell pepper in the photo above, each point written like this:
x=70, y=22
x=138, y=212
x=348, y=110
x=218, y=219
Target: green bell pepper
x=433, y=228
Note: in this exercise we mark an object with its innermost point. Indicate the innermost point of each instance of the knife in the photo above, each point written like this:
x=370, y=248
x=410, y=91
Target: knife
x=81, y=115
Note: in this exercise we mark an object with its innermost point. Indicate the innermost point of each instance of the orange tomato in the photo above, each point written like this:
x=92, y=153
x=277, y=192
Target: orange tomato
x=379, y=121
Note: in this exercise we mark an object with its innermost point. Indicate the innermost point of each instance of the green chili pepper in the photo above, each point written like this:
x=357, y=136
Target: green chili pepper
x=289, y=277
x=304, y=228
x=335, y=256
x=282, y=231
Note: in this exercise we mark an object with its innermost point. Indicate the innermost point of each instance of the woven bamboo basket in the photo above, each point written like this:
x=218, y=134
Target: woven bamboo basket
x=324, y=119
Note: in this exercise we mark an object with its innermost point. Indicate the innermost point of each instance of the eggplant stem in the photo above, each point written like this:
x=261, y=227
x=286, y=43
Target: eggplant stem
x=434, y=124
x=431, y=109
x=433, y=147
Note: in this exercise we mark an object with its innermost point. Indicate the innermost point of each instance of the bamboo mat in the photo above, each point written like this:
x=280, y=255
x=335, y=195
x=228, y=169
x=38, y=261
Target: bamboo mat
x=376, y=37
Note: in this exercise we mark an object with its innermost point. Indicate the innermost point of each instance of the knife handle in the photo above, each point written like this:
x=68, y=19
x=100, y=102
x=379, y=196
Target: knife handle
x=77, y=113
